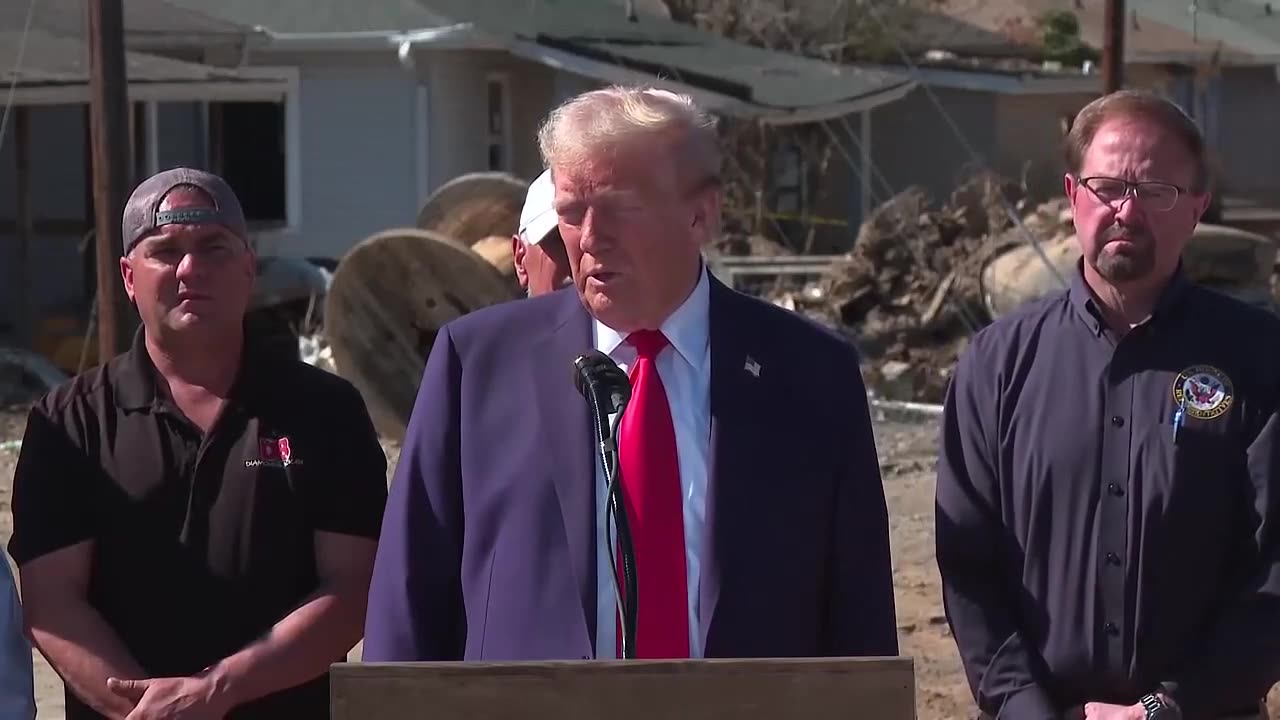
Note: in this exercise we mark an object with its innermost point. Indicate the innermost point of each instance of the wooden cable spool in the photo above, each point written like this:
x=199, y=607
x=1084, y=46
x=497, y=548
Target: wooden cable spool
x=389, y=297
x=475, y=206
x=496, y=250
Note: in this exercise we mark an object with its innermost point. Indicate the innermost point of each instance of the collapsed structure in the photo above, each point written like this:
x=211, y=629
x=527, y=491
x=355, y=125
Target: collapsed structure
x=922, y=278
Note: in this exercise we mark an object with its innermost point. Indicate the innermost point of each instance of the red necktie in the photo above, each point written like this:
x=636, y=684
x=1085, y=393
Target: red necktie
x=651, y=486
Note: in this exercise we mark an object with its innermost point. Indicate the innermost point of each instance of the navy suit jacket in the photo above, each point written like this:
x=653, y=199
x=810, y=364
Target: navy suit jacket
x=488, y=544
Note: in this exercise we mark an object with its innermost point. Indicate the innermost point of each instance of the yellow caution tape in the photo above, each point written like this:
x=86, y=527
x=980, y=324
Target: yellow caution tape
x=808, y=219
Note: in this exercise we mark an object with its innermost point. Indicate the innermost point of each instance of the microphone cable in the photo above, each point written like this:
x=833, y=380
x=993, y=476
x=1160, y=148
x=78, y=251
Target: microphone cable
x=624, y=589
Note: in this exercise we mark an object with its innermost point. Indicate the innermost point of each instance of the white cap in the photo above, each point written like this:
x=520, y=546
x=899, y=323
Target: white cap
x=538, y=216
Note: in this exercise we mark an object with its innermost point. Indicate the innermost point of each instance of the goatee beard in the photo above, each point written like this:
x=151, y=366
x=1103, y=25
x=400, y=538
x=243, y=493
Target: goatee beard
x=1122, y=268
x=1132, y=263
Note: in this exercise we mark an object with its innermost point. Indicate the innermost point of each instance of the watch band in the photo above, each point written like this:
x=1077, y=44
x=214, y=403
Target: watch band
x=1154, y=706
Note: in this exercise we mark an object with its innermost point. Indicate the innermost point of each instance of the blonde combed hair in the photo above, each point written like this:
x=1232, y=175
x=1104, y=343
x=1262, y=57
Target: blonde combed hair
x=605, y=118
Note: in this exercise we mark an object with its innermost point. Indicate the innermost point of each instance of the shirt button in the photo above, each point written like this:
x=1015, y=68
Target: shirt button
x=1111, y=629
x=1117, y=421
x=1113, y=559
x=1115, y=489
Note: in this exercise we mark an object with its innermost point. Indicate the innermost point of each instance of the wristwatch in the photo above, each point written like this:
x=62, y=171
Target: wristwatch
x=1155, y=707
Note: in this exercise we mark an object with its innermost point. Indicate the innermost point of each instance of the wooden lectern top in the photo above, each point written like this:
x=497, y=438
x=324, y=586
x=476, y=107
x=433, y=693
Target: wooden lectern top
x=719, y=689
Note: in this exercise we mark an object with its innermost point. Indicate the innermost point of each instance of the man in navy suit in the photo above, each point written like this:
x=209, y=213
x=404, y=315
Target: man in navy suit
x=747, y=457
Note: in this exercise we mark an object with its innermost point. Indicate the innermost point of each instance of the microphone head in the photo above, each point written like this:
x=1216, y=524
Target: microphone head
x=585, y=368
x=595, y=371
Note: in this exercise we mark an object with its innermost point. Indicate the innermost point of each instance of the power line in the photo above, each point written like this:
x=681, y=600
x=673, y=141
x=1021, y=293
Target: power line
x=870, y=173
x=17, y=71
x=955, y=128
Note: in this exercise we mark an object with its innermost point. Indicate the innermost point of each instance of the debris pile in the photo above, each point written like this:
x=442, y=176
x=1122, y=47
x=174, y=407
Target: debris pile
x=910, y=292
x=740, y=244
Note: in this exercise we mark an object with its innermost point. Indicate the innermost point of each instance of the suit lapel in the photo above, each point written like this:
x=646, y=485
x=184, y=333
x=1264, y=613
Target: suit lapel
x=570, y=438
x=733, y=444
x=731, y=448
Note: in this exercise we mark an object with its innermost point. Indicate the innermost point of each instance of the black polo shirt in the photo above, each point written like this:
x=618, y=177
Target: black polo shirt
x=201, y=543
x=1090, y=552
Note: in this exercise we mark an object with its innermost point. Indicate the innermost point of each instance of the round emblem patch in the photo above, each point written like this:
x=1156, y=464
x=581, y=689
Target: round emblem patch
x=1204, y=390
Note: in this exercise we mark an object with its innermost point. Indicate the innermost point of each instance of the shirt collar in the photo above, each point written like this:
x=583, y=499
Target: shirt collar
x=133, y=377
x=1086, y=305
x=687, y=329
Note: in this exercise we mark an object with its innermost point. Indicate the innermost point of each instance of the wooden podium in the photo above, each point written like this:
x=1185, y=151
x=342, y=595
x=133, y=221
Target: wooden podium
x=806, y=689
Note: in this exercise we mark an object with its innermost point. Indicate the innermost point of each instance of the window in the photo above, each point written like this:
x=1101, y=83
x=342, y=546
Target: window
x=140, y=123
x=247, y=148
x=498, y=114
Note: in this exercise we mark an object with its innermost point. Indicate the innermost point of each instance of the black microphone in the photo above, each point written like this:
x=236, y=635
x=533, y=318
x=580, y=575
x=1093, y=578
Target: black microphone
x=594, y=368
x=596, y=376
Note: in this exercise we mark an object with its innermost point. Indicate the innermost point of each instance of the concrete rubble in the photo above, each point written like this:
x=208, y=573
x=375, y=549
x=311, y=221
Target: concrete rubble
x=910, y=293
x=921, y=279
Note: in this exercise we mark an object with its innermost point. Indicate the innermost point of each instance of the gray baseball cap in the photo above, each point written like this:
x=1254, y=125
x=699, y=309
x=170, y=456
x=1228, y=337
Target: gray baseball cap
x=142, y=213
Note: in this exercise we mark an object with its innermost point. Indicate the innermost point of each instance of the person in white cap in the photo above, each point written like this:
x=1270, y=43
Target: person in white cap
x=537, y=250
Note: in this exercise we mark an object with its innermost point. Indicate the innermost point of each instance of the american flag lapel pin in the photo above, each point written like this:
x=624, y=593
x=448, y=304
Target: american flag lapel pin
x=752, y=367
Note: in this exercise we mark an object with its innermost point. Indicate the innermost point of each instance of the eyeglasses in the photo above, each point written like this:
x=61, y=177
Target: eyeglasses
x=1155, y=196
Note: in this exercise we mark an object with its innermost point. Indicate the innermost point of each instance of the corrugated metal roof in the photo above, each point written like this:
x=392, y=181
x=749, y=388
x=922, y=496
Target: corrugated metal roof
x=768, y=79
x=662, y=48
x=596, y=29
x=55, y=64
x=141, y=18
x=53, y=60
x=316, y=16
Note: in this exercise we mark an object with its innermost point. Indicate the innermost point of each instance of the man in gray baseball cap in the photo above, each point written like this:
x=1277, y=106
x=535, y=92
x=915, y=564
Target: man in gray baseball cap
x=187, y=263
x=143, y=215
x=195, y=521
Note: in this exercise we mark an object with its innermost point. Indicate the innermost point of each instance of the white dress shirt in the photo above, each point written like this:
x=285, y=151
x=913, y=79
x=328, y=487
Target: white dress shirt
x=685, y=368
x=17, y=686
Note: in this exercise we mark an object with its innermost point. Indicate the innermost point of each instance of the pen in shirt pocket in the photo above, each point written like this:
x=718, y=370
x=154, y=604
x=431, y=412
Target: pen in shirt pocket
x=1179, y=417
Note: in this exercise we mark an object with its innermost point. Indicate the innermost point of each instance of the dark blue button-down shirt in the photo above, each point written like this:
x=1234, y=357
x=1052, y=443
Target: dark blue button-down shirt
x=1107, y=506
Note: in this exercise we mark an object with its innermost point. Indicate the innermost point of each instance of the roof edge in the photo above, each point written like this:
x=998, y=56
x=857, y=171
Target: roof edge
x=1000, y=82
x=461, y=36
x=711, y=99
x=838, y=109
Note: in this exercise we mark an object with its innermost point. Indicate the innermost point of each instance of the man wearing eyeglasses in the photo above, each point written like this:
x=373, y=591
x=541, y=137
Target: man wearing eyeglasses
x=1107, y=486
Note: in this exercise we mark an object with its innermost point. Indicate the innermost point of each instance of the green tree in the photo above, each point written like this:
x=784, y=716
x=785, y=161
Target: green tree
x=1060, y=39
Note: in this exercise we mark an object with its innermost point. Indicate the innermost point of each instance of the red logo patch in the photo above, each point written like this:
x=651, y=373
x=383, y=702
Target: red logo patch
x=274, y=452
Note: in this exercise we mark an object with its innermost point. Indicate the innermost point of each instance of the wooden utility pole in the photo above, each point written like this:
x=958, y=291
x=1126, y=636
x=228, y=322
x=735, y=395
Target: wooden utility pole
x=1113, y=47
x=109, y=130
x=26, y=230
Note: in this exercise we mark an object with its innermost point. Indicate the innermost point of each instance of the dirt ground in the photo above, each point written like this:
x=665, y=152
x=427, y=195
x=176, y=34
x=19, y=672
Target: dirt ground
x=907, y=451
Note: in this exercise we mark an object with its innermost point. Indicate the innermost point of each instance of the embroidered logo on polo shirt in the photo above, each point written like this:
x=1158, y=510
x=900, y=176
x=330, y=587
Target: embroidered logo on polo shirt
x=1204, y=390
x=274, y=452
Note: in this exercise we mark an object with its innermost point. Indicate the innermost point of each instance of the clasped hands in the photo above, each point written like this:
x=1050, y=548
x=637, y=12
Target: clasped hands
x=172, y=698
